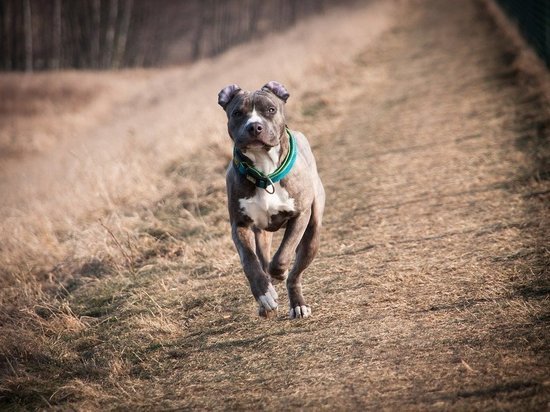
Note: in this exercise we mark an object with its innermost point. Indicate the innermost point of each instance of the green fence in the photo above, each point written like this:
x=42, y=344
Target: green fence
x=533, y=19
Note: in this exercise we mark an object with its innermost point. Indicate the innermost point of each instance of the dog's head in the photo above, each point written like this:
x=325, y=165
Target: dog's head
x=255, y=119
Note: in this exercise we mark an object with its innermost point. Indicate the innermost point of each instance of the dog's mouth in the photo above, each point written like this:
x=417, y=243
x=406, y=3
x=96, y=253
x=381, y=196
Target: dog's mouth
x=256, y=144
x=259, y=143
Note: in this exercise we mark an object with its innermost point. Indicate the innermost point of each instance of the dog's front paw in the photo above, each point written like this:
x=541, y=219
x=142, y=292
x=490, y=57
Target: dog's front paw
x=299, y=311
x=268, y=303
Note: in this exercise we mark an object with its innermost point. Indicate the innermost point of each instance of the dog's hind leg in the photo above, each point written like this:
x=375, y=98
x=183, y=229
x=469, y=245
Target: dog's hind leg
x=295, y=229
x=305, y=253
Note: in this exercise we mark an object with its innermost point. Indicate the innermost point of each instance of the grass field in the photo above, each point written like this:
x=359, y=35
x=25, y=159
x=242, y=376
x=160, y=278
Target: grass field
x=120, y=286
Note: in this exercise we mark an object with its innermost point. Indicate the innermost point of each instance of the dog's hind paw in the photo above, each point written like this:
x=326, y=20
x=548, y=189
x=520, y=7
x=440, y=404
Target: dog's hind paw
x=298, y=312
x=268, y=302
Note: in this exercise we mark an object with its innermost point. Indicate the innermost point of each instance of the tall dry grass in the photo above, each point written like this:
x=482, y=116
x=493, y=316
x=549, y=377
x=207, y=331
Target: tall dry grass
x=103, y=142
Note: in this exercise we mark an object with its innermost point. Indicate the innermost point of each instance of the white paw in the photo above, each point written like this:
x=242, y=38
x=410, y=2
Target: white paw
x=268, y=301
x=298, y=312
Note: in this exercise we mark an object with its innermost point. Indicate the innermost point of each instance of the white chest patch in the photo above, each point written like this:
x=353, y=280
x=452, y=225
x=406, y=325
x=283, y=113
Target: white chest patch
x=263, y=205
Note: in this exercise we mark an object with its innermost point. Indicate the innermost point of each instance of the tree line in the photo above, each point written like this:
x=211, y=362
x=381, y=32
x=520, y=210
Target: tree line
x=107, y=34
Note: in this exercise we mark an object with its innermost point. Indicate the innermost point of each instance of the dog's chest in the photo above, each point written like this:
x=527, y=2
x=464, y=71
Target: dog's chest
x=264, y=206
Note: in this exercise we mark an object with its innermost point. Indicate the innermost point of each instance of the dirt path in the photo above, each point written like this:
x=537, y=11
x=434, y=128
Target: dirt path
x=430, y=292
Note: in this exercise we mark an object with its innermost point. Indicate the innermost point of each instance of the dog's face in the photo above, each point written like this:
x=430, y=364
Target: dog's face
x=254, y=119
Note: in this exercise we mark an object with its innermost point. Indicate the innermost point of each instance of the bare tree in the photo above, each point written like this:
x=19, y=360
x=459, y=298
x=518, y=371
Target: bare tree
x=200, y=24
x=123, y=33
x=7, y=35
x=110, y=34
x=27, y=23
x=96, y=33
x=253, y=16
x=56, y=36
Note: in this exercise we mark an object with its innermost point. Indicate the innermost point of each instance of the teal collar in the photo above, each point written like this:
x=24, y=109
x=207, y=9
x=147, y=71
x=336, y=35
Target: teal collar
x=260, y=179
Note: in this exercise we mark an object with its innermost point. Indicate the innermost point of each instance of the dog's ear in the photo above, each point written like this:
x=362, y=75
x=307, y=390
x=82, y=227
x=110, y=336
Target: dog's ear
x=227, y=94
x=277, y=89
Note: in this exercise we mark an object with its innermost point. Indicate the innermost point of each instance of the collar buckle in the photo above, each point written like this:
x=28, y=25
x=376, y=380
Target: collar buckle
x=271, y=184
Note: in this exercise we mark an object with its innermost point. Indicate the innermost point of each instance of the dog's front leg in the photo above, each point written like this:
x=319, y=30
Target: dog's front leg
x=260, y=285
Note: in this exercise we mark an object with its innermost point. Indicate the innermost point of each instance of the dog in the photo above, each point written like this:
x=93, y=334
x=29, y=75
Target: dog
x=272, y=183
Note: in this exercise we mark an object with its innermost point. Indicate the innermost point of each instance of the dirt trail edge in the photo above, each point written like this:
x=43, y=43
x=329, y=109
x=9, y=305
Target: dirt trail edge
x=431, y=290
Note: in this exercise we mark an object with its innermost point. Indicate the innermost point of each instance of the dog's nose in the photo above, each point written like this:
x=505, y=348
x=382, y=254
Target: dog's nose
x=254, y=128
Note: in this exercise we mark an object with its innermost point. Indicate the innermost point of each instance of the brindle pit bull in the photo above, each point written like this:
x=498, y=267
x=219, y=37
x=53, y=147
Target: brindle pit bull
x=272, y=183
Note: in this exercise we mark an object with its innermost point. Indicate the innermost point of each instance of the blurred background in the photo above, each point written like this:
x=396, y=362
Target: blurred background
x=105, y=34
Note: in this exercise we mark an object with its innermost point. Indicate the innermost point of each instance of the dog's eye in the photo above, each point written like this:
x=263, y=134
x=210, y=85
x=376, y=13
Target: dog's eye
x=272, y=110
x=237, y=113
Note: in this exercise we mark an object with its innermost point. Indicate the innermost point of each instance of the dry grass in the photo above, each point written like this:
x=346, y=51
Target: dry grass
x=40, y=111
x=431, y=290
